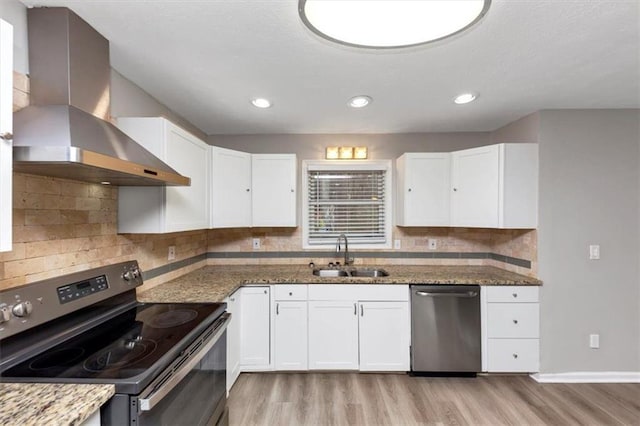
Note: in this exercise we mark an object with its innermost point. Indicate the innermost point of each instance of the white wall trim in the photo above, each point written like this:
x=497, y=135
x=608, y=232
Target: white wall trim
x=589, y=377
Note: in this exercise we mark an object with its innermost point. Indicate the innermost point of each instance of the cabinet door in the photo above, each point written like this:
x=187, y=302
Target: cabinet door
x=273, y=185
x=290, y=336
x=475, y=187
x=384, y=336
x=6, y=129
x=333, y=335
x=423, y=190
x=187, y=207
x=230, y=188
x=166, y=209
x=233, y=337
x=255, y=329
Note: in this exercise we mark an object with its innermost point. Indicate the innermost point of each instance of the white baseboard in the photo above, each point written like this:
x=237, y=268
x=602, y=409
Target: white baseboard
x=589, y=377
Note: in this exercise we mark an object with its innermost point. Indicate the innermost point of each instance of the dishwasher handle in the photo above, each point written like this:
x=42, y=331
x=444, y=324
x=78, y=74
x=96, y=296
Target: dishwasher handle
x=466, y=294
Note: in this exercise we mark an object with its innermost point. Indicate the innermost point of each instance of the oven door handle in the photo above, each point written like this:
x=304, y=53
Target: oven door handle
x=178, y=369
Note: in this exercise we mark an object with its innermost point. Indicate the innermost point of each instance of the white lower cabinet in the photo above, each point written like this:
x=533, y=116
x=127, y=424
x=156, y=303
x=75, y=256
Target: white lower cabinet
x=384, y=336
x=359, y=327
x=511, y=329
x=333, y=335
x=255, y=329
x=233, y=337
x=290, y=335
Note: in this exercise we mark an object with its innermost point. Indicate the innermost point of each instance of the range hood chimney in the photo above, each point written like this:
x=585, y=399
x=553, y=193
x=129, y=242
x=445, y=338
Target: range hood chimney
x=65, y=131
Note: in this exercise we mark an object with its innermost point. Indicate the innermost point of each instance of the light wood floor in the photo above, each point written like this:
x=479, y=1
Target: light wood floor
x=397, y=399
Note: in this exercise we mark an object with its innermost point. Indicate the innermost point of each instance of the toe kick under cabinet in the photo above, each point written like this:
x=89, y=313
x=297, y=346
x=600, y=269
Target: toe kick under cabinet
x=510, y=328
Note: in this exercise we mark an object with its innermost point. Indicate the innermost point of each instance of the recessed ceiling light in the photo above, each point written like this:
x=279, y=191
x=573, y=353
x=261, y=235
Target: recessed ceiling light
x=261, y=103
x=104, y=182
x=360, y=101
x=465, y=98
x=390, y=23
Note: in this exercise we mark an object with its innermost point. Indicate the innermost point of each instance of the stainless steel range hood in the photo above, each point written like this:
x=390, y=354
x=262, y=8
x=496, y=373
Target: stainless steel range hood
x=65, y=132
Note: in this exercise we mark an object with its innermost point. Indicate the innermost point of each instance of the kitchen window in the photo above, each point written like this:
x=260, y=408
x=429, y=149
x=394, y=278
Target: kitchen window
x=347, y=197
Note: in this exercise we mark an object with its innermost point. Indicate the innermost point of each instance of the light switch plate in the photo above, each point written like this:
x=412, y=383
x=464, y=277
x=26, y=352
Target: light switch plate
x=256, y=243
x=594, y=252
x=594, y=341
x=172, y=253
x=432, y=243
x=397, y=244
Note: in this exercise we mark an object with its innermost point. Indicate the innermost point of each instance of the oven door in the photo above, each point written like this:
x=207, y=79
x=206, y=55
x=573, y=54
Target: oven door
x=192, y=390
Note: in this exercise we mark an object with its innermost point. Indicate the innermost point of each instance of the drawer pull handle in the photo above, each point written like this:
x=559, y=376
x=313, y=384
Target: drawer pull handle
x=290, y=293
x=277, y=309
x=515, y=294
x=233, y=299
x=355, y=309
x=515, y=356
x=515, y=321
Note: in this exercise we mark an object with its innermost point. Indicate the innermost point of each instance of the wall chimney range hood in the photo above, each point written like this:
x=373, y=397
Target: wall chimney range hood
x=65, y=131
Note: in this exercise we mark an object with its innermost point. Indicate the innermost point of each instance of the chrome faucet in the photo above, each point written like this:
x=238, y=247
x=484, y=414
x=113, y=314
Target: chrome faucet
x=347, y=261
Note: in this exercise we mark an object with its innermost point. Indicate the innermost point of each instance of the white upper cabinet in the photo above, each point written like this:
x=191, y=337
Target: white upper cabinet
x=423, y=188
x=230, y=188
x=166, y=209
x=6, y=130
x=252, y=189
x=495, y=186
x=273, y=184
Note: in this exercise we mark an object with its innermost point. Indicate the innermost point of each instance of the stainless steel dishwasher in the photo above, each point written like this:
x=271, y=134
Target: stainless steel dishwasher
x=445, y=329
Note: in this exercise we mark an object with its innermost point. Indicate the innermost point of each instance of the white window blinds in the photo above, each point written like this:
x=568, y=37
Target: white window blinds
x=350, y=202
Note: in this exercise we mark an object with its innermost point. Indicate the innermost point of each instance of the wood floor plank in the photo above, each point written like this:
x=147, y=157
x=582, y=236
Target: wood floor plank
x=349, y=398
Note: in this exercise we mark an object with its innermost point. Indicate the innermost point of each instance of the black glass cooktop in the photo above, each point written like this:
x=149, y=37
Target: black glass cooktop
x=123, y=347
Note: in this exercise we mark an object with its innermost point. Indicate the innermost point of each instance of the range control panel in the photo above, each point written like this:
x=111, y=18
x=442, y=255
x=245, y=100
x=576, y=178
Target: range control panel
x=74, y=291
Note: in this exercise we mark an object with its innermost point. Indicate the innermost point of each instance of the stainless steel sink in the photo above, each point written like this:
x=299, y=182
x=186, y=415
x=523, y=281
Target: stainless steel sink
x=362, y=273
x=369, y=273
x=330, y=273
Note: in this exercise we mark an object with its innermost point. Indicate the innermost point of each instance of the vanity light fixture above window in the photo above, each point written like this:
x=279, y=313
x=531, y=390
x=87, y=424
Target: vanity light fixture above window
x=385, y=24
x=346, y=153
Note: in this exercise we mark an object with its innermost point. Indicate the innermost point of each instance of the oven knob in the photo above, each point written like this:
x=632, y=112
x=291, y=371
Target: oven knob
x=5, y=314
x=22, y=309
x=131, y=274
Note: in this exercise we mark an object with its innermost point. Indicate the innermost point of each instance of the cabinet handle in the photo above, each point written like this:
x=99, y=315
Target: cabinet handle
x=277, y=309
x=515, y=321
x=293, y=190
x=248, y=190
x=409, y=189
x=265, y=292
x=515, y=295
x=355, y=309
x=6, y=136
x=290, y=293
x=455, y=189
x=361, y=310
x=233, y=299
x=515, y=356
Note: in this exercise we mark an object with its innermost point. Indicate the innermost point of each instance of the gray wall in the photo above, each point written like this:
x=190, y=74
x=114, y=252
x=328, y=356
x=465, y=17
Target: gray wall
x=15, y=13
x=524, y=130
x=589, y=194
x=129, y=100
x=381, y=146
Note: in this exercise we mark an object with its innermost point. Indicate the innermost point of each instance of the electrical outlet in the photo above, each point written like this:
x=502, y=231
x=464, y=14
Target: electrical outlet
x=256, y=243
x=397, y=244
x=594, y=252
x=594, y=341
x=172, y=253
x=433, y=243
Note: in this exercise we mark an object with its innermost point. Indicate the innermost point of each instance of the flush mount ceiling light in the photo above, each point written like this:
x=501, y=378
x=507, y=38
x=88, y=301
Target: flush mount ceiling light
x=360, y=101
x=390, y=23
x=465, y=98
x=261, y=103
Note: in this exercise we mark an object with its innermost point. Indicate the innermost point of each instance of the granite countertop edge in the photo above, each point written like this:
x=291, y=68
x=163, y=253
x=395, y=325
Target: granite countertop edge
x=51, y=403
x=214, y=283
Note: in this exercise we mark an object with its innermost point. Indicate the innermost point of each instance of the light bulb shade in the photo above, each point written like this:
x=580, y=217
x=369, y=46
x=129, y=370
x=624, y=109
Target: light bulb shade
x=346, y=152
x=331, y=153
x=390, y=23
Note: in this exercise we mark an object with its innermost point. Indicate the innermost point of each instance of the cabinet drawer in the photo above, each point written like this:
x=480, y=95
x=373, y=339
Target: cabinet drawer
x=512, y=294
x=291, y=292
x=362, y=292
x=518, y=320
x=513, y=355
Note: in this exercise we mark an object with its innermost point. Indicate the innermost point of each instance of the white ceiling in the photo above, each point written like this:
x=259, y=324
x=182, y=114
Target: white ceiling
x=207, y=59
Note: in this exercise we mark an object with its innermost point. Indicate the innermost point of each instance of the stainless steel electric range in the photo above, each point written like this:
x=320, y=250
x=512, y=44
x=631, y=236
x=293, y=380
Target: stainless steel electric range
x=166, y=360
